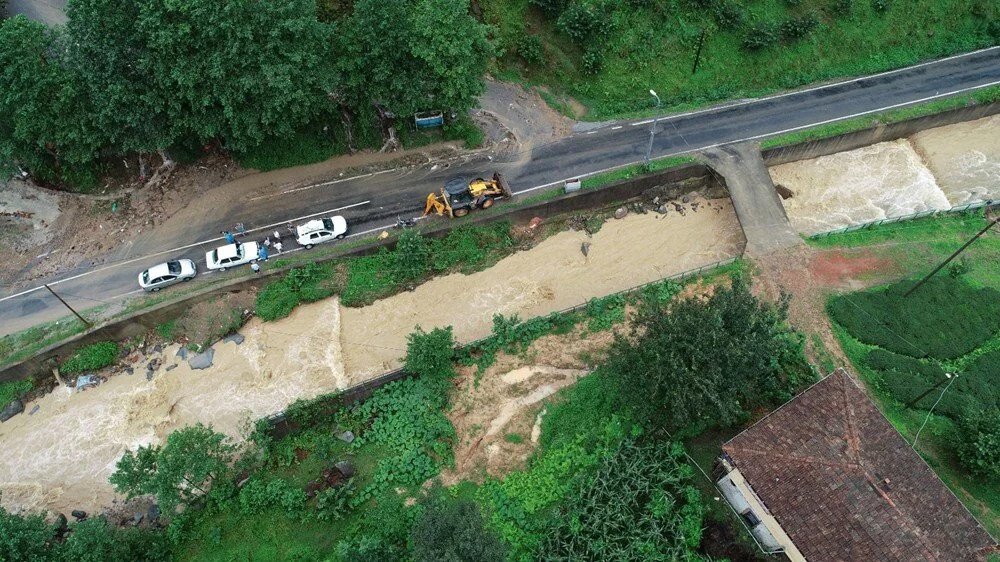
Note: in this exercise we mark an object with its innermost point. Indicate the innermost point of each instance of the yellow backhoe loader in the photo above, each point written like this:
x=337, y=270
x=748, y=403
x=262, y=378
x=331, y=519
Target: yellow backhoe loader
x=460, y=196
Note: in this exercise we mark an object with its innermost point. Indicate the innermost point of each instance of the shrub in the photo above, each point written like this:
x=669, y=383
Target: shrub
x=411, y=257
x=979, y=443
x=24, y=538
x=258, y=497
x=11, y=390
x=761, y=34
x=94, y=540
x=881, y=6
x=592, y=62
x=91, y=358
x=640, y=505
x=454, y=531
x=529, y=48
x=464, y=129
x=334, y=503
x=309, y=283
x=582, y=20
x=960, y=317
x=842, y=8
x=431, y=355
x=793, y=28
x=470, y=248
x=728, y=14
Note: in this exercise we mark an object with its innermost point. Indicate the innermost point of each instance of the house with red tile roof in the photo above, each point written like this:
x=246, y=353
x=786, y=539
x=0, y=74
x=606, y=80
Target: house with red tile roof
x=826, y=478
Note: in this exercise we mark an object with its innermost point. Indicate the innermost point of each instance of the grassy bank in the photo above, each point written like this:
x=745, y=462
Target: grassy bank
x=607, y=55
x=903, y=346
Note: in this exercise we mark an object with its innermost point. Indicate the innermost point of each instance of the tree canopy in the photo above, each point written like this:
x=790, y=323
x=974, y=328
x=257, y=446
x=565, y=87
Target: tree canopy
x=128, y=76
x=179, y=472
x=709, y=361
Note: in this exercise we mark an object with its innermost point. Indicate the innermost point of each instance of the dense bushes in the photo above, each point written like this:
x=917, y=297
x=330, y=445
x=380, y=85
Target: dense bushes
x=707, y=362
x=454, y=531
x=944, y=319
x=91, y=358
x=309, y=283
x=979, y=442
x=32, y=539
x=639, y=505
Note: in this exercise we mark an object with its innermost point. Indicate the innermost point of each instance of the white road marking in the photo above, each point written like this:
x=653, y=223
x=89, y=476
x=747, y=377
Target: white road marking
x=669, y=117
x=771, y=134
x=814, y=88
x=616, y=127
x=140, y=258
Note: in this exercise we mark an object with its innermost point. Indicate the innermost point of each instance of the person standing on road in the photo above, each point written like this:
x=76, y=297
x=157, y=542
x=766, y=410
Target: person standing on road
x=277, y=246
x=267, y=242
x=277, y=236
x=262, y=254
x=230, y=239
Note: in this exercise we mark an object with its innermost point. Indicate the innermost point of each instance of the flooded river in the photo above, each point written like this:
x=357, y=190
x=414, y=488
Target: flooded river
x=933, y=170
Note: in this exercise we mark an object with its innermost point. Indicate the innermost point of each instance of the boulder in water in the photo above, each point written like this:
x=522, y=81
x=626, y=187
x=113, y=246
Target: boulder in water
x=783, y=191
x=10, y=410
x=202, y=360
x=620, y=212
x=235, y=338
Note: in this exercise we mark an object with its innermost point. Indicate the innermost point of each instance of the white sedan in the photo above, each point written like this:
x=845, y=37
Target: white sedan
x=166, y=274
x=232, y=255
x=321, y=230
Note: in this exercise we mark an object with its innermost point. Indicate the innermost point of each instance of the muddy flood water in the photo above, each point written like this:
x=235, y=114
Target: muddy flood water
x=935, y=169
x=60, y=456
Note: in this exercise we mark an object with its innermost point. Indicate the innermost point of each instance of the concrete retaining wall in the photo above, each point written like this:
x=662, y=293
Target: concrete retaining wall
x=875, y=134
x=673, y=181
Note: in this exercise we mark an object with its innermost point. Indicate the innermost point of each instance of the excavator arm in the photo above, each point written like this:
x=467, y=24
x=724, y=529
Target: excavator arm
x=433, y=204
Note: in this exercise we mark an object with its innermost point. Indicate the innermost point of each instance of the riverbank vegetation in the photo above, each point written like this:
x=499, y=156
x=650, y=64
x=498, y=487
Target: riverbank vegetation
x=350, y=481
x=607, y=55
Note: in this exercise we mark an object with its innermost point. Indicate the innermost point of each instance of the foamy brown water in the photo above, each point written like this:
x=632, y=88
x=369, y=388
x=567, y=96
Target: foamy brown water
x=935, y=169
x=871, y=183
x=964, y=157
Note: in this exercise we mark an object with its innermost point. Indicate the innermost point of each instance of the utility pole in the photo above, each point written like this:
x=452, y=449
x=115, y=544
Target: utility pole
x=937, y=385
x=652, y=129
x=697, y=55
x=85, y=323
x=951, y=257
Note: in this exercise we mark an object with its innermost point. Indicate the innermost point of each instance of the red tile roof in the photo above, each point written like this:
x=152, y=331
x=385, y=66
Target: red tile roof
x=845, y=485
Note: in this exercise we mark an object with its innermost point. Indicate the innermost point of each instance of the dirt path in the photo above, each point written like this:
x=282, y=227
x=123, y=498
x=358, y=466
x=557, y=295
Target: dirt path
x=552, y=276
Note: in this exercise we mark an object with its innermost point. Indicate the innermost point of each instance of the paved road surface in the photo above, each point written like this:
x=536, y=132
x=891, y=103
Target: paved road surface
x=614, y=144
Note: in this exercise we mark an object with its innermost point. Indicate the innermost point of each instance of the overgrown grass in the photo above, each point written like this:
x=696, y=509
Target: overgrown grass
x=91, y=358
x=21, y=345
x=635, y=47
x=13, y=389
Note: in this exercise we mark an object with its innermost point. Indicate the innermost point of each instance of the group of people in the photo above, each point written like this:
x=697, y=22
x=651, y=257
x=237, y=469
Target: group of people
x=262, y=251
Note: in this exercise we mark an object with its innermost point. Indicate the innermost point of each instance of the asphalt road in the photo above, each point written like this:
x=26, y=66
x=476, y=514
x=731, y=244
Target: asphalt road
x=52, y=12
x=613, y=145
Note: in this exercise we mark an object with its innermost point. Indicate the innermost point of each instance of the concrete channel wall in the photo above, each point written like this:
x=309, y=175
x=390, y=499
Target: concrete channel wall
x=674, y=182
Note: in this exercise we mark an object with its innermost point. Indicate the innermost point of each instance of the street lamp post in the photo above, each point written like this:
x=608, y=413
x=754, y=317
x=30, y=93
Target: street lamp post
x=652, y=128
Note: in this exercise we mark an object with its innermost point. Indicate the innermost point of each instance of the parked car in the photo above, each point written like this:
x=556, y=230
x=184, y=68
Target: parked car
x=167, y=274
x=232, y=255
x=321, y=230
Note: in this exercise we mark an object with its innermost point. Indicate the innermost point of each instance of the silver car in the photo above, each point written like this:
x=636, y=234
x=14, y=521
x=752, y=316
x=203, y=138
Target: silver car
x=167, y=274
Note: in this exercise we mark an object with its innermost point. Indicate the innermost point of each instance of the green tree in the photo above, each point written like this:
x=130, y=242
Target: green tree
x=411, y=258
x=707, y=362
x=238, y=70
x=45, y=116
x=430, y=354
x=979, y=443
x=413, y=55
x=194, y=462
x=25, y=538
x=453, y=531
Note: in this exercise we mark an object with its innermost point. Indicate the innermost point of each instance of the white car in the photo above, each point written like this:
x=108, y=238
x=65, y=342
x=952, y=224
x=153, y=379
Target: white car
x=232, y=255
x=166, y=274
x=321, y=230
